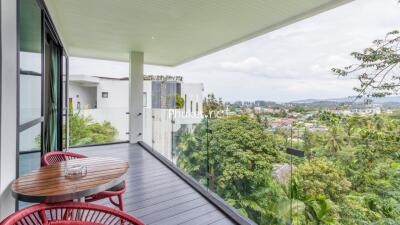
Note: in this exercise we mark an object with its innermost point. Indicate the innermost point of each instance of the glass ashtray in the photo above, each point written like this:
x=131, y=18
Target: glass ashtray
x=75, y=171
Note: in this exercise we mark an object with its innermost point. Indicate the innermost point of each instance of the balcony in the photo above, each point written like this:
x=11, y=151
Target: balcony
x=159, y=193
x=177, y=160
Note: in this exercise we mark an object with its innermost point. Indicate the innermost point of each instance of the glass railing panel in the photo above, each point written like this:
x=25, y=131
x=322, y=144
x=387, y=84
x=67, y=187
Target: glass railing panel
x=190, y=150
x=92, y=126
x=162, y=127
x=281, y=169
x=349, y=172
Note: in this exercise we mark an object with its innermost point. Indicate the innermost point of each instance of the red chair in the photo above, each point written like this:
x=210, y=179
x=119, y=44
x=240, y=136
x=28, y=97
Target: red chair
x=56, y=157
x=70, y=213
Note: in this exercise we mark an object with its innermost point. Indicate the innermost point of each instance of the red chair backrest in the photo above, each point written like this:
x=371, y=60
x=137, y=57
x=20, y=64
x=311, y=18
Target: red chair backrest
x=70, y=213
x=56, y=157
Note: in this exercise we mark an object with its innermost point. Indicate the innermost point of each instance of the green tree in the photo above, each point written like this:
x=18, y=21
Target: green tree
x=83, y=130
x=377, y=67
x=241, y=154
x=180, y=102
x=322, y=178
x=320, y=211
x=212, y=106
x=350, y=124
x=335, y=141
x=352, y=182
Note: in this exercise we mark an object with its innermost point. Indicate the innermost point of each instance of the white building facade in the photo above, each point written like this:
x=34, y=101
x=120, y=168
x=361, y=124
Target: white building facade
x=106, y=99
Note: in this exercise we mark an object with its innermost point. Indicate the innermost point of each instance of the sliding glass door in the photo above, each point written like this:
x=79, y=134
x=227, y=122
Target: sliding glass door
x=52, y=94
x=42, y=88
x=65, y=102
x=30, y=86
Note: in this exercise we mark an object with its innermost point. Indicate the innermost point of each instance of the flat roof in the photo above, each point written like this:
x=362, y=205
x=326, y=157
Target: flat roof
x=171, y=32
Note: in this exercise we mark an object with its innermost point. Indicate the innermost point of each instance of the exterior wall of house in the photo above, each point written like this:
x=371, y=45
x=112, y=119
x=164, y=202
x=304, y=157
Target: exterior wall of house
x=111, y=97
x=147, y=94
x=117, y=94
x=161, y=124
x=83, y=97
x=193, y=93
x=8, y=102
x=158, y=126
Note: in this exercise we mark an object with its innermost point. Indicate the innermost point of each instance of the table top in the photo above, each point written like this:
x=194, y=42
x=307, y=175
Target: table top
x=48, y=184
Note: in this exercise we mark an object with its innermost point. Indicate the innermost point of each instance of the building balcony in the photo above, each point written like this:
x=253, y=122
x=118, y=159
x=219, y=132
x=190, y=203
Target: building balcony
x=160, y=193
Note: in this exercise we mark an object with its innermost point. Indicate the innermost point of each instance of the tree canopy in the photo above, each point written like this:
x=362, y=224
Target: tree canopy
x=350, y=174
x=84, y=130
x=377, y=67
x=212, y=106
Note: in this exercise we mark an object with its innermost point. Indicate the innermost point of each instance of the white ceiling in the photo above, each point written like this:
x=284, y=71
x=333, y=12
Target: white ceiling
x=171, y=32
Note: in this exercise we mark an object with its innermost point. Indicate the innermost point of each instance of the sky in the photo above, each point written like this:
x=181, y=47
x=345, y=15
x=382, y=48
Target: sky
x=288, y=64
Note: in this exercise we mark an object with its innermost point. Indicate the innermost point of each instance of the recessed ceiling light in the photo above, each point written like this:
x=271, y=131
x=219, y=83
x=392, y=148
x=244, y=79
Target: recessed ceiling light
x=152, y=37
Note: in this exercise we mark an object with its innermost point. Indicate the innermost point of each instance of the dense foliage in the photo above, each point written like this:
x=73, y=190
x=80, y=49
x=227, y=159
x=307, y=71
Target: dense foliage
x=180, y=102
x=349, y=175
x=212, y=106
x=83, y=130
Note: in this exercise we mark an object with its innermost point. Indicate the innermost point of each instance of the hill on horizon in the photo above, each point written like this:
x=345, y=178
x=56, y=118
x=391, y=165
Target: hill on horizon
x=388, y=99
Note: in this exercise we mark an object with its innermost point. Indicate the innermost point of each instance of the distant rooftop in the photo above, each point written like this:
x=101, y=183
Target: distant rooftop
x=95, y=79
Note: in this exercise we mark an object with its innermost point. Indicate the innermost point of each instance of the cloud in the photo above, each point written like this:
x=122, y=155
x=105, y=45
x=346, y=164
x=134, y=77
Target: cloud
x=249, y=65
x=290, y=63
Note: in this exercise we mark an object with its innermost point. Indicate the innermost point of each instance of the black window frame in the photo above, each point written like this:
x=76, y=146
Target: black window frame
x=48, y=26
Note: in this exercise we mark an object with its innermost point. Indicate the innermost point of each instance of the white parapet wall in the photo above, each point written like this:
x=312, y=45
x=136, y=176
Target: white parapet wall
x=161, y=124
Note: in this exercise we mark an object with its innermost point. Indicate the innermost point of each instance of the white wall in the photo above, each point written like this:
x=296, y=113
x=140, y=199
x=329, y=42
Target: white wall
x=87, y=96
x=118, y=93
x=147, y=97
x=8, y=119
x=157, y=126
x=194, y=94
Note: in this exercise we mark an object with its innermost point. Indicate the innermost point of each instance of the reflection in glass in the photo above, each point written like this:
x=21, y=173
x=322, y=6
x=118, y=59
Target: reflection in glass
x=27, y=163
x=64, y=82
x=30, y=36
x=65, y=109
x=30, y=86
x=30, y=98
x=30, y=62
x=29, y=139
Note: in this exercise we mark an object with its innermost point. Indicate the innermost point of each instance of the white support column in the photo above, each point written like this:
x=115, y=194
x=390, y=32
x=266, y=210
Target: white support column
x=135, y=97
x=8, y=104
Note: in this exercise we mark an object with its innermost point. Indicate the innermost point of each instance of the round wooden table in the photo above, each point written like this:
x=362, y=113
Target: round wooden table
x=48, y=184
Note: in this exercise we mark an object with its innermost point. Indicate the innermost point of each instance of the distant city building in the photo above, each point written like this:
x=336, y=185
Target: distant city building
x=367, y=110
x=315, y=127
x=284, y=123
x=359, y=109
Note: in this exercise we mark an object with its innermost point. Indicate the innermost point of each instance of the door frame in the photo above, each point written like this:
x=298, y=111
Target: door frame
x=47, y=26
x=49, y=32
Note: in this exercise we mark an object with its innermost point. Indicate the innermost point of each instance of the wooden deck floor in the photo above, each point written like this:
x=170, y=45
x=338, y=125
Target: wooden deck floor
x=155, y=194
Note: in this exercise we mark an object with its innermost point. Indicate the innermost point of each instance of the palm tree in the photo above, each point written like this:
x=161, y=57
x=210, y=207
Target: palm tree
x=350, y=123
x=319, y=211
x=379, y=122
x=334, y=144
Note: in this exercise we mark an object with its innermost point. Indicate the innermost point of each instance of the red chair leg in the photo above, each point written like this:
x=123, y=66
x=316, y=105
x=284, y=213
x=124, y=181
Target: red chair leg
x=121, y=203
